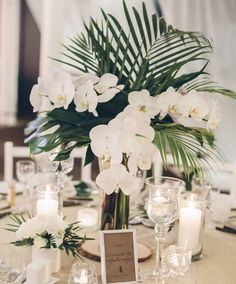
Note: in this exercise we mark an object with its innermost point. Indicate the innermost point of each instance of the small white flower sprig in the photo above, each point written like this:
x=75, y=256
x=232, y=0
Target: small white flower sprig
x=48, y=231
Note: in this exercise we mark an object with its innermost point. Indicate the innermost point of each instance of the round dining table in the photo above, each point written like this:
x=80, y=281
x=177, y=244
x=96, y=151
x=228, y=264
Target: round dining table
x=217, y=266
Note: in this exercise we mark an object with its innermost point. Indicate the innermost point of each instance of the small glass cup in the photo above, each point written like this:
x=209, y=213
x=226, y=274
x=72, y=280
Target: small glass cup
x=192, y=207
x=25, y=170
x=82, y=273
x=220, y=207
x=202, y=187
x=12, y=270
x=178, y=259
x=48, y=199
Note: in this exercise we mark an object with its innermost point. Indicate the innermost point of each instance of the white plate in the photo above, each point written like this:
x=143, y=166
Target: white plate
x=4, y=186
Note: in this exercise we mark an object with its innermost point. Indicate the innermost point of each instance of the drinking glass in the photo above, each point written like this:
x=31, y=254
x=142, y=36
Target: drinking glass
x=12, y=270
x=82, y=273
x=25, y=170
x=178, y=259
x=61, y=169
x=162, y=210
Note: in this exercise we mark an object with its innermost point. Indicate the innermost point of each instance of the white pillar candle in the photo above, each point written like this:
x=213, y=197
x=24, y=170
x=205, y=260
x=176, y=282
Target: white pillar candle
x=47, y=206
x=87, y=217
x=189, y=227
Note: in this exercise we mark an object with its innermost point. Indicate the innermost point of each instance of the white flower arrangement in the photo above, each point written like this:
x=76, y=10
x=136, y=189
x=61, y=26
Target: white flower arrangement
x=130, y=132
x=46, y=231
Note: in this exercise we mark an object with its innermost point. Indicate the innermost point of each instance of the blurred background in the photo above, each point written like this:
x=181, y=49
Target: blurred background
x=31, y=31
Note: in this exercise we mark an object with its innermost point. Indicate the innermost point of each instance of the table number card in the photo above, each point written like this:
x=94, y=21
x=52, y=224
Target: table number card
x=118, y=256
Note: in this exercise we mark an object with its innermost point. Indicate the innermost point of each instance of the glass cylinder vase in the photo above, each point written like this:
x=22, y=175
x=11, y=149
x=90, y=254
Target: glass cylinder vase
x=192, y=208
x=47, y=199
x=115, y=211
x=115, y=207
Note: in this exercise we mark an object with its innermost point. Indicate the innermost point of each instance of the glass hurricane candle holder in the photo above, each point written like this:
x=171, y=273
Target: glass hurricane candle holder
x=192, y=208
x=48, y=199
x=88, y=218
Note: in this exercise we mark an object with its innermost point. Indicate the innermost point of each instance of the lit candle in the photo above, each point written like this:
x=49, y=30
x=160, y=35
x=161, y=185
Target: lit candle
x=47, y=205
x=87, y=217
x=189, y=227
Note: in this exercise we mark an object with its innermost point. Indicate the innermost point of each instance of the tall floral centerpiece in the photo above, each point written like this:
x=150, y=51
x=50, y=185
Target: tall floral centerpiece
x=131, y=99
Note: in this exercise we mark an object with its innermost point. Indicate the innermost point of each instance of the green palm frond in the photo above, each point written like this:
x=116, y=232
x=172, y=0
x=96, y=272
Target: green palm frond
x=149, y=55
x=191, y=148
x=207, y=85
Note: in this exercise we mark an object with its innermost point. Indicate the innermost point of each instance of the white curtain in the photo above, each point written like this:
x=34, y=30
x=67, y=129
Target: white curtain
x=9, y=59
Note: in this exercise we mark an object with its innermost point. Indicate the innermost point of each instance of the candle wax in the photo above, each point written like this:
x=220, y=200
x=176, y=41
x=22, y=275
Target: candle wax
x=189, y=227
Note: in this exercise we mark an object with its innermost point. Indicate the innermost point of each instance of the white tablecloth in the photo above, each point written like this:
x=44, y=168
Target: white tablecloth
x=218, y=265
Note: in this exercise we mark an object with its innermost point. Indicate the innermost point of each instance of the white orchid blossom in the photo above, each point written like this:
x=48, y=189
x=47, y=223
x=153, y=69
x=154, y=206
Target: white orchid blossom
x=214, y=116
x=143, y=102
x=86, y=98
x=36, y=96
x=167, y=102
x=107, y=87
x=83, y=79
x=90, y=90
x=131, y=130
x=59, y=88
x=143, y=156
x=195, y=105
x=105, y=143
x=138, y=116
x=117, y=177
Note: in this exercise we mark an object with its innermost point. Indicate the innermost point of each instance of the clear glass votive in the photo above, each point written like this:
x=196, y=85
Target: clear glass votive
x=47, y=199
x=202, y=187
x=177, y=259
x=220, y=207
x=82, y=273
x=192, y=207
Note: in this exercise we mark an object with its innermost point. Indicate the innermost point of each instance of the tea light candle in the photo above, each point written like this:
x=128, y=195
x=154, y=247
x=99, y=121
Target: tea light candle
x=189, y=227
x=87, y=217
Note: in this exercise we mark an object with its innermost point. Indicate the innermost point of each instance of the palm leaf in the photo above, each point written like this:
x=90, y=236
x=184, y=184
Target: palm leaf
x=151, y=55
x=191, y=148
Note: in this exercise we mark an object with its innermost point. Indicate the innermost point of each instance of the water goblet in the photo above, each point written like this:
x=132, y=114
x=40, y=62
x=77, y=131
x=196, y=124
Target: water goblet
x=25, y=169
x=12, y=270
x=162, y=210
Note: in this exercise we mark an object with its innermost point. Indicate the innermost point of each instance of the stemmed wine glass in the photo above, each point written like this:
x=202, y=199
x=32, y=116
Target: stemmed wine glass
x=162, y=210
x=25, y=169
